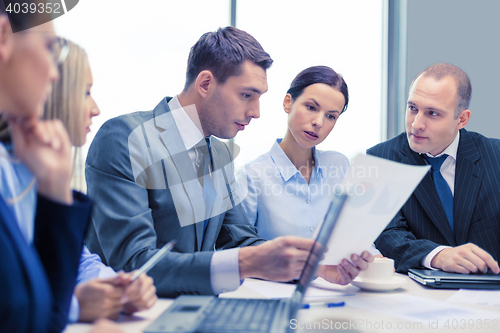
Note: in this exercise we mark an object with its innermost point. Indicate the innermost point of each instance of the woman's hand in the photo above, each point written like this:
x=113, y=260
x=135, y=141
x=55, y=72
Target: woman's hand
x=347, y=270
x=138, y=295
x=45, y=148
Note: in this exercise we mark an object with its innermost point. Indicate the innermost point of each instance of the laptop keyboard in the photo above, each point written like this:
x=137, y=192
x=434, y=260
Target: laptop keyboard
x=238, y=315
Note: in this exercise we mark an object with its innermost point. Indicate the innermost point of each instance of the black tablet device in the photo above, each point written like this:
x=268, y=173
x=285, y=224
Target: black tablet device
x=440, y=279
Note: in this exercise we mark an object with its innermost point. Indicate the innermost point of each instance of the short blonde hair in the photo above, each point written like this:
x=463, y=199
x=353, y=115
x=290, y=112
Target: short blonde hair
x=464, y=89
x=66, y=102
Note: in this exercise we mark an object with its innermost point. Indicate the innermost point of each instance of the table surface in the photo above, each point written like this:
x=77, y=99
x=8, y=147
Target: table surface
x=358, y=319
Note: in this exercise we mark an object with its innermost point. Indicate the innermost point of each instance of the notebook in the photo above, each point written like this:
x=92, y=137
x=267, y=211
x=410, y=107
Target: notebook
x=440, y=279
x=213, y=314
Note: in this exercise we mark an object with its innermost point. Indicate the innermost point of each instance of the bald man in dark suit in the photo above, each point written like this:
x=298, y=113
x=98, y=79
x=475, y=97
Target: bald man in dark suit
x=452, y=220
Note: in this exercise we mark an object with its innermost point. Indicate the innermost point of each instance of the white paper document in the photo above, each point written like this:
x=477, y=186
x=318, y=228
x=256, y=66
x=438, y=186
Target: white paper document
x=377, y=189
x=270, y=289
x=418, y=309
x=476, y=297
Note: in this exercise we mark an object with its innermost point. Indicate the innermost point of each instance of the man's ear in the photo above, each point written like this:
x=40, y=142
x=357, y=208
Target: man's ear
x=205, y=83
x=463, y=119
x=287, y=103
x=5, y=38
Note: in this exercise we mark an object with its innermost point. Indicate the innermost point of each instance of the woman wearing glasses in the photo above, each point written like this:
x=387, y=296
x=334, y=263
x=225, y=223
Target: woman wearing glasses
x=39, y=263
x=287, y=191
x=99, y=291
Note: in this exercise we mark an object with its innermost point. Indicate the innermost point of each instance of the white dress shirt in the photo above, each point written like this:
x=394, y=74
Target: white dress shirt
x=448, y=172
x=279, y=201
x=224, y=268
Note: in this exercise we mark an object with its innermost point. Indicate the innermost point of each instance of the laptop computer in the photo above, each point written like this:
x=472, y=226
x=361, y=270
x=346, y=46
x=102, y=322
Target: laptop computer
x=444, y=280
x=213, y=314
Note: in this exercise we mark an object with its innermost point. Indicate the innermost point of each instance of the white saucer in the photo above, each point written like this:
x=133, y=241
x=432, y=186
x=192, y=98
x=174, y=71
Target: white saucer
x=395, y=283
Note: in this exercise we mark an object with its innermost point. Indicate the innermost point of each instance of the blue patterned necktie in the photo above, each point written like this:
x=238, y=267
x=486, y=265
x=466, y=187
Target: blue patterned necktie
x=207, y=140
x=204, y=164
x=442, y=187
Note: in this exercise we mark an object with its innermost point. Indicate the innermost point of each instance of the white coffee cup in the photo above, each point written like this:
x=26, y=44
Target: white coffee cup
x=381, y=269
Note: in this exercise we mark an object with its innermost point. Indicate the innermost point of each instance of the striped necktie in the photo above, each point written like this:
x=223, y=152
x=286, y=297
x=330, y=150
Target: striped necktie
x=442, y=187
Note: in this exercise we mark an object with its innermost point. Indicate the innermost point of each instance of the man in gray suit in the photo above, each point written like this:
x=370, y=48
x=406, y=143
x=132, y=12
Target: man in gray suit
x=161, y=175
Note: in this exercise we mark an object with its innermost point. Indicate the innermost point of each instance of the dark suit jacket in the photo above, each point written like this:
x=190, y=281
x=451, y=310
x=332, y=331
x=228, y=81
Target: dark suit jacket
x=144, y=190
x=421, y=225
x=37, y=282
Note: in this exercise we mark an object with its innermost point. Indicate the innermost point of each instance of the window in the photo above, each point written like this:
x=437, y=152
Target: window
x=138, y=53
x=345, y=35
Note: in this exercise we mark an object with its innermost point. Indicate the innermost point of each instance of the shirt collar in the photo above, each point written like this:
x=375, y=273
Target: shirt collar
x=283, y=163
x=190, y=134
x=317, y=164
x=451, y=150
x=285, y=167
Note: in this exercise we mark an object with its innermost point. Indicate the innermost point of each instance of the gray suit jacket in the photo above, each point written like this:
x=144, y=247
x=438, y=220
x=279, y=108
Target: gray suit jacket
x=146, y=193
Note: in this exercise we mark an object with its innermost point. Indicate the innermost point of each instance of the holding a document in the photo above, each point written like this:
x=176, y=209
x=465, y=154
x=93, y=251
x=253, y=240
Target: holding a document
x=288, y=190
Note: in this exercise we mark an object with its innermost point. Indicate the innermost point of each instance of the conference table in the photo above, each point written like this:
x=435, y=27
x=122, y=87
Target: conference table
x=411, y=308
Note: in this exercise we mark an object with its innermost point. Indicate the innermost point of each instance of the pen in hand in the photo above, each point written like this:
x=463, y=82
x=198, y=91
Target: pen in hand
x=153, y=260
x=125, y=280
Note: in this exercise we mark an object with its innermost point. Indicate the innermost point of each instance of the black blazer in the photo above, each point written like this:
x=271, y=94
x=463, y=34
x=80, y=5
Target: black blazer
x=421, y=224
x=37, y=280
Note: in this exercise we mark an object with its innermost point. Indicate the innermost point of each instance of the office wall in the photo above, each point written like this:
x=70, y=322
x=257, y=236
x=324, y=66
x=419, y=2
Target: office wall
x=466, y=34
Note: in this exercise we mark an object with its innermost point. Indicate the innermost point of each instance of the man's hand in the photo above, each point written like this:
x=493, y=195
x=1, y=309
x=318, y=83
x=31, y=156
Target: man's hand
x=468, y=258
x=280, y=259
x=99, y=298
x=139, y=295
x=45, y=148
x=347, y=270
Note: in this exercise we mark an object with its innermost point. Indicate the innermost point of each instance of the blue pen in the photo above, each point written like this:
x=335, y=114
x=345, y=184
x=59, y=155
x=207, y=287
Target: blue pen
x=328, y=305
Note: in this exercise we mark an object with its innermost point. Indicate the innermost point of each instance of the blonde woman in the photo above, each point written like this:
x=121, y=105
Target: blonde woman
x=72, y=103
x=100, y=292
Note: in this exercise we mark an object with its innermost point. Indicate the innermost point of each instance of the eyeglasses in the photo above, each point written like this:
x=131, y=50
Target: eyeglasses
x=60, y=50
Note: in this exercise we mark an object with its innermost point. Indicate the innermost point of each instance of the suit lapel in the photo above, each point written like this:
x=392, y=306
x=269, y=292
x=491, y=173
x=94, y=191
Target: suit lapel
x=468, y=178
x=11, y=224
x=33, y=269
x=427, y=195
x=172, y=141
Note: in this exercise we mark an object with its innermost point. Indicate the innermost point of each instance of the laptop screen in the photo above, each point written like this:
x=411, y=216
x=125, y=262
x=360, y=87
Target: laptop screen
x=316, y=253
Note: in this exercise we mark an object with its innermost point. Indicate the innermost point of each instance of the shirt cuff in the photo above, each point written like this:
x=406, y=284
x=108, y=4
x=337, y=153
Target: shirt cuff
x=74, y=310
x=373, y=250
x=426, y=262
x=225, y=271
x=106, y=272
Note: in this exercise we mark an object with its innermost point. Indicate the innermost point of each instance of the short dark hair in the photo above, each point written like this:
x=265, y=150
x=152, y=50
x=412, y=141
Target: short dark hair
x=21, y=21
x=222, y=52
x=319, y=74
x=464, y=89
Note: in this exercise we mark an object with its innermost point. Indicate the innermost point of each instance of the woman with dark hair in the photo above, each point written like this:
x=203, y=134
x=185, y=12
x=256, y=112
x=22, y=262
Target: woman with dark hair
x=290, y=187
